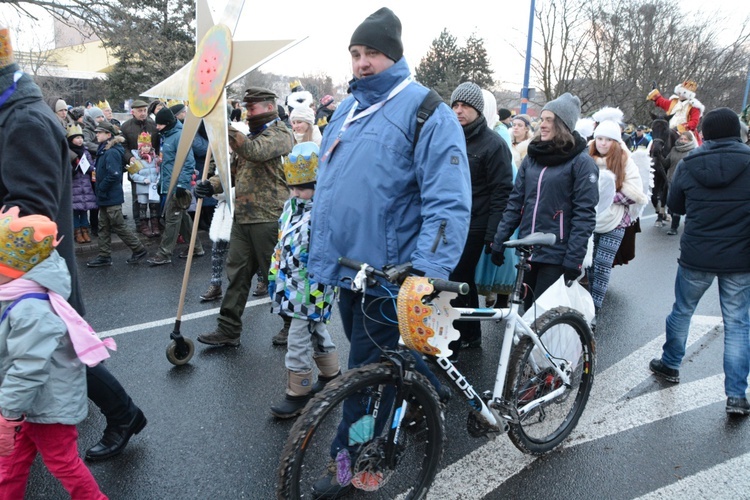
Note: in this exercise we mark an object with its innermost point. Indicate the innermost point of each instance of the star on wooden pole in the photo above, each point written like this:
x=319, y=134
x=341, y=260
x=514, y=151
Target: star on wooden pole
x=219, y=61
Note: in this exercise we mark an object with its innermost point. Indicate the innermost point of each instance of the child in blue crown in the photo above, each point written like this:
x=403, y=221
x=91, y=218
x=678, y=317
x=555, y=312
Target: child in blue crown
x=295, y=294
x=44, y=345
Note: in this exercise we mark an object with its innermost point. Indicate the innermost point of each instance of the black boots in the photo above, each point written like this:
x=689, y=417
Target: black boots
x=116, y=438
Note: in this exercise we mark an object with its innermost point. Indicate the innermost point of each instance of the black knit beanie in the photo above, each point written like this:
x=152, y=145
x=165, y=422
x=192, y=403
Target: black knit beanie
x=165, y=117
x=721, y=123
x=380, y=31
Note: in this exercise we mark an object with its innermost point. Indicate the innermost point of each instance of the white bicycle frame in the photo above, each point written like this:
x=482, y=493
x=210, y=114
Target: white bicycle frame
x=512, y=321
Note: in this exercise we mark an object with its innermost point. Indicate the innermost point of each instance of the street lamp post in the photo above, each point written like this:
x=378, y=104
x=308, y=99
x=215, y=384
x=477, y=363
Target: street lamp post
x=527, y=68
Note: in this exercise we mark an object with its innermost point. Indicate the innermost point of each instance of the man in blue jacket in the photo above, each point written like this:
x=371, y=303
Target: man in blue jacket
x=383, y=200
x=711, y=186
x=176, y=219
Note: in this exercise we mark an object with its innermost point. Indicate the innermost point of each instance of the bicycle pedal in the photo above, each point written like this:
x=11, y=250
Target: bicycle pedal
x=477, y=426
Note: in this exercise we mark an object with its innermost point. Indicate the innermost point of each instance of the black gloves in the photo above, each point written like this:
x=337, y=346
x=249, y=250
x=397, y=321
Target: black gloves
x=571, y=274
x=498, y=256
x=487, y=247
x=204, y=189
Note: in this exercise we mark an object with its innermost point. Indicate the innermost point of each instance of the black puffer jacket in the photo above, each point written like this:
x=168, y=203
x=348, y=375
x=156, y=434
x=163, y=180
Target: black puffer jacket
x=491, y=176
x=559, y=199
x=711, y=186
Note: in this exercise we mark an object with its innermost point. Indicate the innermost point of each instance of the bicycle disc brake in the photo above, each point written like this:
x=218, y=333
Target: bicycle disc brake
x=369, y=472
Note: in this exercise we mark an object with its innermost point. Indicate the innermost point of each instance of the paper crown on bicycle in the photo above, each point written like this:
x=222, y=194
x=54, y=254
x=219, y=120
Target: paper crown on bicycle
x=301, y=166
x=427, y=328
x=24, y=241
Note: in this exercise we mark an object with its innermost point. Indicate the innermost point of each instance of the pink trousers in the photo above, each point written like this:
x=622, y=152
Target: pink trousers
x=57, y=444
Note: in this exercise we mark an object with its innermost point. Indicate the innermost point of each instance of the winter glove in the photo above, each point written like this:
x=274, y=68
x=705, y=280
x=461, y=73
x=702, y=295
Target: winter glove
x=204, y=189
x=571, y=274
x=8, y=430
x=487, y=247
x=181, y=191
x=498, y=256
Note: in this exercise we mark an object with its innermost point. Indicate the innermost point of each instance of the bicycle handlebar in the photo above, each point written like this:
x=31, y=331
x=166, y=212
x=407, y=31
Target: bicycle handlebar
x=395, y=274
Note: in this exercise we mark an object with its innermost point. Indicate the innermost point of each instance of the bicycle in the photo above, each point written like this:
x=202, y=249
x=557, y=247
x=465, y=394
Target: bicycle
x=548, y=367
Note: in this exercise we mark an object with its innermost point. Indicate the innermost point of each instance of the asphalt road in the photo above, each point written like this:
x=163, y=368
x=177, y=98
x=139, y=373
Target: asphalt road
x=210, y=433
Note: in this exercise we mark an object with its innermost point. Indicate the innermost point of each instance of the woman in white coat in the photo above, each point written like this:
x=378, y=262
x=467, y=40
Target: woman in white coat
x=611, y=155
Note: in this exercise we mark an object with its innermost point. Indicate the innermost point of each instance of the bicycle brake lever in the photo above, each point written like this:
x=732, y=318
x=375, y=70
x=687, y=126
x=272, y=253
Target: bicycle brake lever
x=397, y=274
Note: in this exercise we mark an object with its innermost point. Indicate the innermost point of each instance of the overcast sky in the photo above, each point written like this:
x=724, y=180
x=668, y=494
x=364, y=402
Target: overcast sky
x=328, y=26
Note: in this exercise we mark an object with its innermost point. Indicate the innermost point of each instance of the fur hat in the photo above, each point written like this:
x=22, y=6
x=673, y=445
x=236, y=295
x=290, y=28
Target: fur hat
x=721, y=123
x=608, y=129
x=607, y=113
x=24, y=241
x=469, y=93
x=380, y=31
x=567, y=107
x=77, y=113
x=6, y=49
x=74, y=130
x=95, y=113
x=300, y=98
x=301, y=165
x=585, y=127
x=302, y=114
x=686, y=89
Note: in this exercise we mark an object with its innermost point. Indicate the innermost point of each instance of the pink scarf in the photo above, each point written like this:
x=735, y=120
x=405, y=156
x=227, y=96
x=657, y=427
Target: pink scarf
x=89, y=348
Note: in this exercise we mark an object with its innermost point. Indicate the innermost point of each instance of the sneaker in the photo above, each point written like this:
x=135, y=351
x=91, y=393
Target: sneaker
x=261, y=289
x=158, y=260
x=668, y=374
x=217, y=338
x=137, y=256
x=213, y=293
x=329, y=486
x=100, y=261
x=184, y=254
x=738, y=406
x=672, y=232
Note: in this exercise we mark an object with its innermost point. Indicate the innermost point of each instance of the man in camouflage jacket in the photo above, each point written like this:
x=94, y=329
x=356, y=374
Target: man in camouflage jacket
x=260, y=192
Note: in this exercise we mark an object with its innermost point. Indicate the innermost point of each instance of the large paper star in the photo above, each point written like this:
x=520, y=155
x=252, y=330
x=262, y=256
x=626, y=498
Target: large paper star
x=219, y=61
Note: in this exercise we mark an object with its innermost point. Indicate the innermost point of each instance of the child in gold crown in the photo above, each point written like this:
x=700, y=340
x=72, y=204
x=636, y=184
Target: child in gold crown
x=44, y=345
x=146, y=178
x=295, y=294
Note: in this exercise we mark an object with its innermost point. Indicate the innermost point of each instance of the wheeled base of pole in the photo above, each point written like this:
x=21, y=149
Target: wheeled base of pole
x=181, y=349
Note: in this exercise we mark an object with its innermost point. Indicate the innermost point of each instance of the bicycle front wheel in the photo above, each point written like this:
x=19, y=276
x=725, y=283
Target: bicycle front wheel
x=567, y=338
x=388, y=466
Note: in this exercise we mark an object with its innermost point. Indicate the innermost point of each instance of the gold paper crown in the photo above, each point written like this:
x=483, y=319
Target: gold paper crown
x=302, y=171
x=294, y=84
x=144, y=138
x=6, y=49
x=173, y=102
x=690, y=85
x=24, y=241
x=74, y=129
x=103, y=105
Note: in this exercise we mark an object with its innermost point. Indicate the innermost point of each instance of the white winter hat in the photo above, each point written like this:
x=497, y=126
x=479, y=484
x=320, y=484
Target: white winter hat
x=608, y=129
x=302, y=114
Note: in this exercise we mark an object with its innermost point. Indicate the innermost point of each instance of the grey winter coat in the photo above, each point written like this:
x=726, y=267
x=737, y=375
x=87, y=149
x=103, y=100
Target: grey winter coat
x=40, y=375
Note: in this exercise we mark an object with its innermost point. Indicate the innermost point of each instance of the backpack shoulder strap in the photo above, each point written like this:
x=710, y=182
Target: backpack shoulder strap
x=33, y=295
x=430, y=103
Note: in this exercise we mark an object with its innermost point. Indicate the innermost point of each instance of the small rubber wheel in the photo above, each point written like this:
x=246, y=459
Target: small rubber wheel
x=180, y=357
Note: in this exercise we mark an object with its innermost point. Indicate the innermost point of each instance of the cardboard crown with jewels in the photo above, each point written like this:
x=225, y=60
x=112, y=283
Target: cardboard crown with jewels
x=24, y=241
x=686, y=89
x=301, y=166
x=144, y=138
x=103, y=105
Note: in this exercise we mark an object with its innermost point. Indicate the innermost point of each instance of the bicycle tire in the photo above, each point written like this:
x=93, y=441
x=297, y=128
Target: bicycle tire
x=566, y=335
x=308, y=448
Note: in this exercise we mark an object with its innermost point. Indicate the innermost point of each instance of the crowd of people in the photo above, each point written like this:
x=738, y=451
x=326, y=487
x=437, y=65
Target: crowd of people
x=444, y=193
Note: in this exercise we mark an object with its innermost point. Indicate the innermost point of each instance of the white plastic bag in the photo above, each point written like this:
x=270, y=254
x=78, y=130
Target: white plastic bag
x=576, y=297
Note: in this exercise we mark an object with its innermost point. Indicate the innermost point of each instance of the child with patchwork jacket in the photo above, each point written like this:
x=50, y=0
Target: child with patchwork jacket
x=44, y=344
x=296, y=295
x=84, y=197
x=144, y=172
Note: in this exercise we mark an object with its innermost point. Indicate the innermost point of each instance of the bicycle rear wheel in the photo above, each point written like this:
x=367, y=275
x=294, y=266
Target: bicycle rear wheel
x=567, y=337
x=418, y=448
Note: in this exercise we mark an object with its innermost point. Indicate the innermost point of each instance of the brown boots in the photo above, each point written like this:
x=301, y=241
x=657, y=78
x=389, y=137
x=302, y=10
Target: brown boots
x=281, y=337
x=144, y=229
x=155, y=230
x=81, y=235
